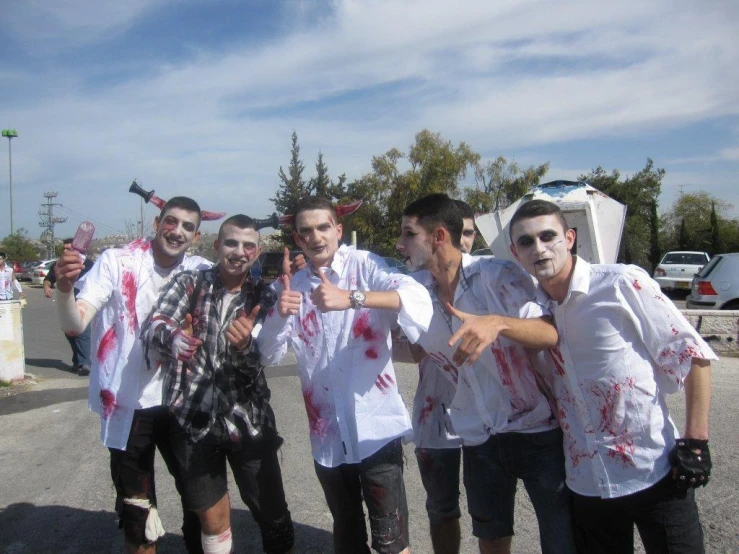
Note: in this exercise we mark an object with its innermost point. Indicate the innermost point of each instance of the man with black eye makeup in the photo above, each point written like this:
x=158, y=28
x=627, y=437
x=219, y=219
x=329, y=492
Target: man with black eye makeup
x=623, y=347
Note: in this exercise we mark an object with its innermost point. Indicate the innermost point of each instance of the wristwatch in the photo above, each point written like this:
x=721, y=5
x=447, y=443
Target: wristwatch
x=356, y=299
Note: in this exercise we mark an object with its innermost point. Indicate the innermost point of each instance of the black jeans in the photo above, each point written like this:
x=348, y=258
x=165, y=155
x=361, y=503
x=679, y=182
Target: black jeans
x=667, y=519
x=132, y=471
x=379, y=480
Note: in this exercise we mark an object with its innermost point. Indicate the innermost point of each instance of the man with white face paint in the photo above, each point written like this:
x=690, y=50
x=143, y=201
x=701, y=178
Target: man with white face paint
x=623, y=348
x=216, y=389
x=504, y=422
x=117, y=295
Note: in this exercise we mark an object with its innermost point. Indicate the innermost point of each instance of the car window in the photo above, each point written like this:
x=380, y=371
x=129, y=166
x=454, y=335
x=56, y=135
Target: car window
x=684, y=259
x=708, y=268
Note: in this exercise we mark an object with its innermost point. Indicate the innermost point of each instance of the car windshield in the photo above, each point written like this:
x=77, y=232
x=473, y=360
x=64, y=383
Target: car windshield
x=685, y=258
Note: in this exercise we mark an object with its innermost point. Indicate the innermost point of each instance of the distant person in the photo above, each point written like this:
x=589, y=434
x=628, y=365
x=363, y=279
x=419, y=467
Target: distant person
x=337, y=313
x=216, y=389
x=80, y=343
x=117, y=296
x=8, y=280
x=623, y=348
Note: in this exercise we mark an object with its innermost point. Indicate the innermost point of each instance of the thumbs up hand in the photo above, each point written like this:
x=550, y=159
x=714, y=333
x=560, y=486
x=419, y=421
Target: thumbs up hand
x=289, y=302
x=239, y=332
x=328, y=297
x=184, y=345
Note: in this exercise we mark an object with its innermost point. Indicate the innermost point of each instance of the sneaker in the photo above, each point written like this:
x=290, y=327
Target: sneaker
x=83, y=371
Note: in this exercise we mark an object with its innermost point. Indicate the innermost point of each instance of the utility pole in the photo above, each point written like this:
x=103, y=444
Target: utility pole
x=10, y=134
x=46, y=214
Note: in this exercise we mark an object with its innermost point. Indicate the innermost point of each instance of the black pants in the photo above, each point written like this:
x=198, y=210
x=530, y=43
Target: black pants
x=132, y=471
x=667, y=519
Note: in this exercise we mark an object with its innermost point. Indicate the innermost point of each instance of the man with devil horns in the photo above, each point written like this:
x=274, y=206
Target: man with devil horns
x=116, y=296
x=337, y=313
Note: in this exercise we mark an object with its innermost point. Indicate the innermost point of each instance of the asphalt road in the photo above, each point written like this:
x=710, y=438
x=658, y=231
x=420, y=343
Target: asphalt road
x=56, y=495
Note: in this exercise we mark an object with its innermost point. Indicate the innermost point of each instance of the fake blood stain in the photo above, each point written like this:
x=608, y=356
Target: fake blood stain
x=107, y=344
x=384, y=382
x=362, y=328
x=316, y=423
x=426, y=410
x=128, y=290
x=107, y=403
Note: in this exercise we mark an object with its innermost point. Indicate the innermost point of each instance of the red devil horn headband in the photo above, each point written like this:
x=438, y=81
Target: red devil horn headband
x=341, y=211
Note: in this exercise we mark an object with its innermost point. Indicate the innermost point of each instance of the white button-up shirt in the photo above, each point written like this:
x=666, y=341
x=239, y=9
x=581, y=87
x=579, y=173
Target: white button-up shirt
x=498, y=393
x=344, y=357
x=623, y=347
x=123, y=286
x=7, y=282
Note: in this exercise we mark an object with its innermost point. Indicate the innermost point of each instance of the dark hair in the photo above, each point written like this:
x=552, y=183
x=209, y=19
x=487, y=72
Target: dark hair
x=536, y=208
x=2, y=255
x=315, y=203
x=183, y=203
x=465, y=209
x=437, y=210
x=239, y=220
x=67, y=241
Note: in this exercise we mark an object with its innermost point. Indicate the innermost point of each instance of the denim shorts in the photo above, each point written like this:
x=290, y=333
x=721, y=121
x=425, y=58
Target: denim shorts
x=378, y=480
x=491, y=474
x=439, y=469
x=257, y=473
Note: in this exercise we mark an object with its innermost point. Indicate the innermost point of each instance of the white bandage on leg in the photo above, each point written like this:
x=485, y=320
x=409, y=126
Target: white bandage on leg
x=217, y=544
x=154, y=528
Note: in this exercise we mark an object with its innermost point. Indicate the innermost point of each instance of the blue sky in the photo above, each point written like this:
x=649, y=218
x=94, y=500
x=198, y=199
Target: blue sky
x=200, y=98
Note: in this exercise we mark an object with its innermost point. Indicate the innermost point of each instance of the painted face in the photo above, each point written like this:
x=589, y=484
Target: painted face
x=542, y=246
x=414, y=244
x=237, y=250
x=468, y=235
x=318, y=235
x=175, y=232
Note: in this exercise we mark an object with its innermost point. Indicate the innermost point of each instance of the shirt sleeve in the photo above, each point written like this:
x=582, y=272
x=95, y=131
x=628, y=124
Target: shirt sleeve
x=100, y=281
x=273, y=337
x=416, y=308
x=514, y=289
x=51, y=275
x=670, y=339
x=169, y=312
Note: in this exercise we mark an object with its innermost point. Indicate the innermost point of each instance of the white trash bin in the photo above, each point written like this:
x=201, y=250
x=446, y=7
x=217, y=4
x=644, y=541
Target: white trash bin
x=12, y=352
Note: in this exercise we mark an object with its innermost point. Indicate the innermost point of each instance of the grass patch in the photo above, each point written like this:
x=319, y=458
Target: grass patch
x=4, y=384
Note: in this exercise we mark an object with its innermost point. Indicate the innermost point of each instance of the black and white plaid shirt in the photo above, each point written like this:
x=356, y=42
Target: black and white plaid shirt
x=219, y=384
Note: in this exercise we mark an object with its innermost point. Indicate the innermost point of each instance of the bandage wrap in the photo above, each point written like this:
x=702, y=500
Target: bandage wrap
x=153, y=528
x=693, y=469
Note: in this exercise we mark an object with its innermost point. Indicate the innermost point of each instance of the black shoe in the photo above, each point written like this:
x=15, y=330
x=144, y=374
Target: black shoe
x=83, y=371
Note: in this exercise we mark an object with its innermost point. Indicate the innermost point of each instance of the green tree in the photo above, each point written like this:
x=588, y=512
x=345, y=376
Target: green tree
x=323, y=185
x=18, y=248
x=637, y=193
x=291, y=190
x=499, y=183
x=692, y=220
x=683, y=242
x=715, y=234
x=655, y=252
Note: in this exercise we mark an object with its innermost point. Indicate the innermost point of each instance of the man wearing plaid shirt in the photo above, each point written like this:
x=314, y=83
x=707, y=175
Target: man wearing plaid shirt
x=217, y=391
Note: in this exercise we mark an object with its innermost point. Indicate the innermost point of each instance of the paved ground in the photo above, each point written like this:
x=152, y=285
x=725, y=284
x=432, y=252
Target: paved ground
x=55, y=492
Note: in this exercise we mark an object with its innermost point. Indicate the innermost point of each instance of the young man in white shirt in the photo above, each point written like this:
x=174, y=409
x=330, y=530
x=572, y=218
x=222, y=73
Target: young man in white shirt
x=438, y=448
x=505, y=423
x=623, y=348
x=337, y=314
x=117, y=296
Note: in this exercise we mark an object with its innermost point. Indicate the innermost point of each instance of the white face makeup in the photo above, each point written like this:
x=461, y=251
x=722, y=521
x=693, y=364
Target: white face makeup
x=468, y=235
x=237, y=249
x=175, y=232
x=318, y=235
x=542, y=246
x=414, y=244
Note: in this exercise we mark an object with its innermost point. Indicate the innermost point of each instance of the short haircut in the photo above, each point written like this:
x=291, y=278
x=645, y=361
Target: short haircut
x=465, y=209
x=437, y=210
x=239, y=220
x=183, y=203
x=67, y=241
x=315, y=203
x=537, y=208
x=2, y=255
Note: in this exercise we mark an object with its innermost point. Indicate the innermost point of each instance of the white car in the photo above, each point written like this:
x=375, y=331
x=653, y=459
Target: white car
x=40, y=272
x=677, y=269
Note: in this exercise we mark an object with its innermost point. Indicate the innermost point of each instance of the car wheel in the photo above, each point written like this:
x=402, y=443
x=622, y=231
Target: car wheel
x=733, y=305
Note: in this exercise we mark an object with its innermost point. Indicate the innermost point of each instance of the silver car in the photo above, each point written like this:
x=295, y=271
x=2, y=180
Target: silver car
x=716, y=287
x=677, y=268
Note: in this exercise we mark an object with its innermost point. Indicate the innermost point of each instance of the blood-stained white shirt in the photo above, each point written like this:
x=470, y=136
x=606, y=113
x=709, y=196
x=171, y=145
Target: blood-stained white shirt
x=623, y=347
x=123, y=286
x=7, y=282
x=498, y=393
x=344, y=357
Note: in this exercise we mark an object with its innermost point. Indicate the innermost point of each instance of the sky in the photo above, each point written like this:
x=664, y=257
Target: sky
x=200, y=98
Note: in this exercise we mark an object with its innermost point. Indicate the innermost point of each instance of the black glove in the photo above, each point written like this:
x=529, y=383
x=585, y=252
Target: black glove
x=691, y=469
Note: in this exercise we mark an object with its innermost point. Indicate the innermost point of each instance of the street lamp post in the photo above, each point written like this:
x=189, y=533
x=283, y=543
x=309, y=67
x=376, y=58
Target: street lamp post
x=11, y=134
